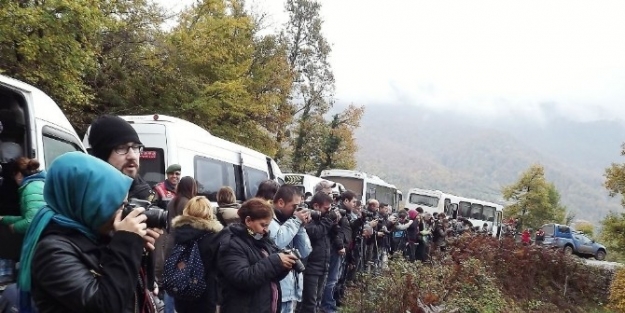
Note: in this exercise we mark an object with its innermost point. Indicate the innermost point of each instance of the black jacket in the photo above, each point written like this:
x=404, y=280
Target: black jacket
x=70, y=273
x=140, y=189
x=245, y=274
x=319, y=232
x=344, y=232
x=186, y=229
x=412, y=233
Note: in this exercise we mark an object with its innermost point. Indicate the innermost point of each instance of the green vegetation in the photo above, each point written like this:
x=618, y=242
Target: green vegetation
x=613, y=225
x=536, y=201
x=217, y=67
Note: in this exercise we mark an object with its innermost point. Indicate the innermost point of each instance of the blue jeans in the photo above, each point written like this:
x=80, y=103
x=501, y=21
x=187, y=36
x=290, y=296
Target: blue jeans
x=169, y=303
x=328, y=303
x=287, y=307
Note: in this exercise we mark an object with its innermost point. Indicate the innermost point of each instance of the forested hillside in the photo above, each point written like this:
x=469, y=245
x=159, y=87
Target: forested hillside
x=410, y=146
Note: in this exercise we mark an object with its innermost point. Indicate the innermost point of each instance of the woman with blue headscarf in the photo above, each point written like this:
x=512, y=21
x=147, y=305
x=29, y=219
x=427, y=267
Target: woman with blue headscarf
x=79, y=255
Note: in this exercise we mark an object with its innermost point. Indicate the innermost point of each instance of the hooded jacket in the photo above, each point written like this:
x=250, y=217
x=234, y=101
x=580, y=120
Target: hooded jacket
x=31, y=200
x=186, y=229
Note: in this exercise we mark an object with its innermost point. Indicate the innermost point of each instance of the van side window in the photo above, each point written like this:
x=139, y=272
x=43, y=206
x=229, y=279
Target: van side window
x=54, y=145
x=465, y=209
x=211, y=175
x=476, y=211
x=253, y=178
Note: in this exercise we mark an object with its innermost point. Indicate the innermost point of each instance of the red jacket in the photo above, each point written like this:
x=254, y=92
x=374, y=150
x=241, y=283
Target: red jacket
x=525, y=237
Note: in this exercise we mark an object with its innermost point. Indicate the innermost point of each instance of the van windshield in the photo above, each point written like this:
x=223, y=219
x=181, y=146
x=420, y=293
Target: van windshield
x=152, y=165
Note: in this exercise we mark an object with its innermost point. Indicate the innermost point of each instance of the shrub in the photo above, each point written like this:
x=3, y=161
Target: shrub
x=484, y=275
x=617, y=292
x=536, y=273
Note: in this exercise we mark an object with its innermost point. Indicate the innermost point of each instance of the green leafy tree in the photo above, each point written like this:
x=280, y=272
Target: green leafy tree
x=313, y=87
x=615, y=178
x=53, y=44
x=613, y=225
x=613, y=235
x=535, y=201
x=126, y=80
x=339, y=145
x=233, y=78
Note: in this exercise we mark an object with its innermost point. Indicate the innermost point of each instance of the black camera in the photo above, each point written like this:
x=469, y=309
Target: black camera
x=385, y=230
x=156, y=217
x=298, y=266
x=337, y=207
x=368, y=214
x=314, y=214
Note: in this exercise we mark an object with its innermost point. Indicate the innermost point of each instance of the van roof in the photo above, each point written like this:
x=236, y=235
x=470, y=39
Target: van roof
x=356, y=174
x=43, y=107
x=200, y=134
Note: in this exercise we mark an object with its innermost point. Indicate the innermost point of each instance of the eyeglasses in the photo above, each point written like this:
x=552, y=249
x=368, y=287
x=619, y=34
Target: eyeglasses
x=123, y=150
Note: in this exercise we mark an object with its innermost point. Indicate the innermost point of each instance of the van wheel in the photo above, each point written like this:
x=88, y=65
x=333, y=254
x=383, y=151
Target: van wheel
x=600, y=256
x=568, y=250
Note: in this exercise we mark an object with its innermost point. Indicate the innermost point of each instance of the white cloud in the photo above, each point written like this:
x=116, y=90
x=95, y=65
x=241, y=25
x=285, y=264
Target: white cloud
x=478, y=56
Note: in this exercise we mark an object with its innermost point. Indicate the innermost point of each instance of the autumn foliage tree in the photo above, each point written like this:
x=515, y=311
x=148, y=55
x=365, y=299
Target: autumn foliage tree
x=215, y=65
x=318, y=141
x=534, y=200
x=613, y=225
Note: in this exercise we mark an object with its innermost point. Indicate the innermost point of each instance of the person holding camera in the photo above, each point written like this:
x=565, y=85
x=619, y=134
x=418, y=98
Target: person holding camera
x=372, y=217
x=116, y=142
x=113, y=140
x=288, y=232
x=341, y=242
x=250, y=265
x=399, y=225
x=80, y=253
x=319, y=232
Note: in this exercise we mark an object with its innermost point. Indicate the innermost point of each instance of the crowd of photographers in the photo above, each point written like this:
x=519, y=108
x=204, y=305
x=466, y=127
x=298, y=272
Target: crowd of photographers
x=103, y=240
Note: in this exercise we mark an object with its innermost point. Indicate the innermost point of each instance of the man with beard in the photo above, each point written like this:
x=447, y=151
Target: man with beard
x=115, y=141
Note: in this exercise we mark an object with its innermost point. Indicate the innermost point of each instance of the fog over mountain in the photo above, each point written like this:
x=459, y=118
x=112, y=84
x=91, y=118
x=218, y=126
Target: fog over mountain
x=412, y=146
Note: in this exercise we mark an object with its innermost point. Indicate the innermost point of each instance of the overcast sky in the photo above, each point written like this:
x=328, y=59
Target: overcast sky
x=490, y=57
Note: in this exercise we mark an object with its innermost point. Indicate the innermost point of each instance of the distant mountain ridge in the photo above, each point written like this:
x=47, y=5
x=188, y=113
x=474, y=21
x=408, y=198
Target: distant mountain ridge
x=411, y=146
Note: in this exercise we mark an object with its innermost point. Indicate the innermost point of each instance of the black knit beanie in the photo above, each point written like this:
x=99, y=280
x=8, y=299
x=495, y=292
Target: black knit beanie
x=108, y=132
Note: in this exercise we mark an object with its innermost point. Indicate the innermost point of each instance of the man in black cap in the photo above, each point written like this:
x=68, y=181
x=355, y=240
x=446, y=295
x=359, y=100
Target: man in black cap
x=113, y=140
